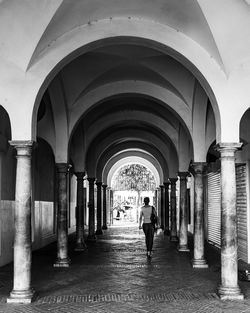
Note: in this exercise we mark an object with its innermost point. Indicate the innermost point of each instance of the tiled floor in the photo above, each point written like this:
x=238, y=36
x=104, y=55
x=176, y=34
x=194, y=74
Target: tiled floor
x=114, y=275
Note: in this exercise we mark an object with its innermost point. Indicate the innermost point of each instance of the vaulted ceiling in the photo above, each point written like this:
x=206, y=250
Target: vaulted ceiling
x=97, y=71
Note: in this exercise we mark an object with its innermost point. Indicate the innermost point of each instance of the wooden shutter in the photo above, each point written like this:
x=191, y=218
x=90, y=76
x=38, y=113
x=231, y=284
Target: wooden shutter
x=214, y=208
x=241, y=203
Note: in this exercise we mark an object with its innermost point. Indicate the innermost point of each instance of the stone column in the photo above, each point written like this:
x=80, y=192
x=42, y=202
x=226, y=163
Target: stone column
x=111, y=205
x=173, y=232
x=108, y=207
x=104, y=206
x=162, y=206
x=91, y=236
x=155, y=202
x=62, y=218
x=99, y=209
x=22, y=291
x=80, y=244
x=229, y=288
x=183, y=232
x=84, y=205
x=166, y=187
x=158, y=200
x=199, y=259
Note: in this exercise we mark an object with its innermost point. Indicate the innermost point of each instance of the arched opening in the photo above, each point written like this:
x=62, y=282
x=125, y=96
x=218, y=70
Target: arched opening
x=130, y=156
x=44, y=214
x=129, y=96
x=130, y=183
x=108, y=74
x=138, y=82
x=109, y=96
x=7, y=188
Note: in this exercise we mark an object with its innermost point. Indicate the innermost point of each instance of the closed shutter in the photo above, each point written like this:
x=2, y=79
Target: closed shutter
x=241, y=203
x=214, y=208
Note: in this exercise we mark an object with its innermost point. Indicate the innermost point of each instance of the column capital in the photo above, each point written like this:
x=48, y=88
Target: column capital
x=197, y=168
x=80, y=175
x=99, y=184
x=173, y=180
x=23, y=147
x=166, y=184
x=21, y=143
x=161, y=186
x=62, y=167
x=227, y=149
x=91, y=180
x=104, y=186
x=183, y=175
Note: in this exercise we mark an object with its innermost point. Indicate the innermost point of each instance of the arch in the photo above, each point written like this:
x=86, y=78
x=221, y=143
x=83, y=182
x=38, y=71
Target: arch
x=145, y=159
x=140, y=89
x=145, y=119
x=244, y=130
x=212, y=154
x=136, y=145
x=145, y=32
x=245, y=126
x=46, y=125
x=57, y=98
x=116, y=136
x=44, y=171
x=159, y=69
x=5, y=127
x=7, y=159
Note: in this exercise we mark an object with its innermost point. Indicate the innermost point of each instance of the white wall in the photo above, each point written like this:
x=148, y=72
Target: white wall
x=43, y=231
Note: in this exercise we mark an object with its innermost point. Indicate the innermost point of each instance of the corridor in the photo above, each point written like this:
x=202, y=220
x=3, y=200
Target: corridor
x=113, y=275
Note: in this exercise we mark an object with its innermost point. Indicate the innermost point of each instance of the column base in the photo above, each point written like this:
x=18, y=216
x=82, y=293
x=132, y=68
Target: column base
x=174, y=239
x=91, y=238
x=199, y=263
x=80, y=246
x=183, y=248
x=99, y=232
x=230, y=293
x=167, y=232
x=104, y=227
x=24, y=296
x=62, y=262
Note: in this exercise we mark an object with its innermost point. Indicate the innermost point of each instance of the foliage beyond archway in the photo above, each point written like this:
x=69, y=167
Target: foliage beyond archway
x=134, y=177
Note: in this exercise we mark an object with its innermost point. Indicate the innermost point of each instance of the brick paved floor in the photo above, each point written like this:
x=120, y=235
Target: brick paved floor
x=113, y=275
